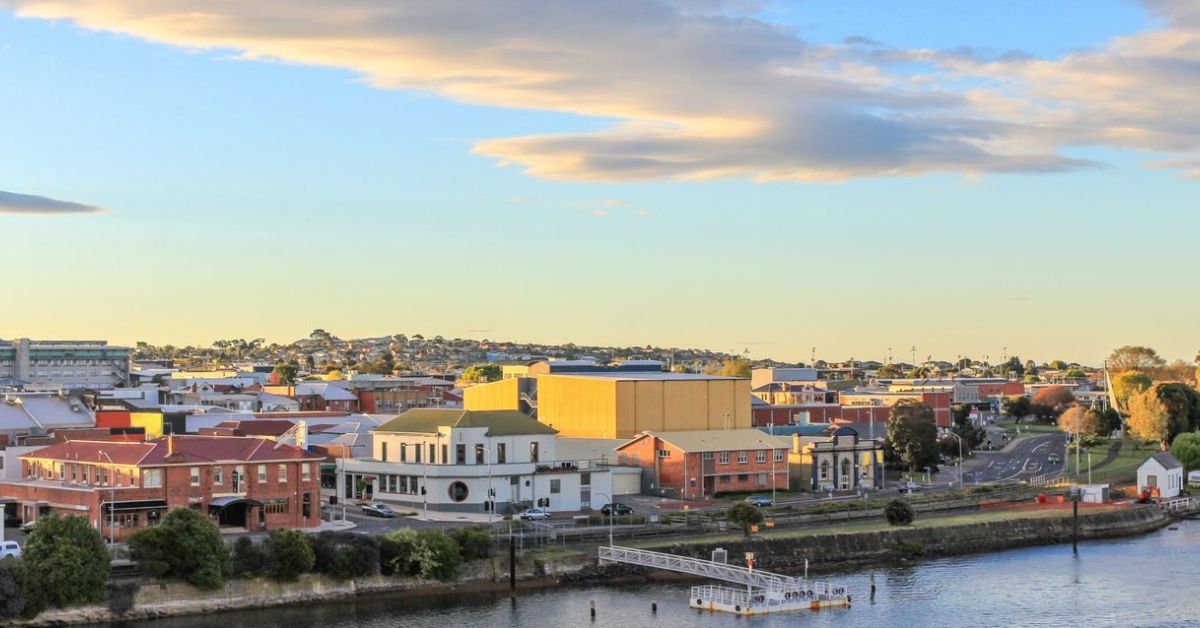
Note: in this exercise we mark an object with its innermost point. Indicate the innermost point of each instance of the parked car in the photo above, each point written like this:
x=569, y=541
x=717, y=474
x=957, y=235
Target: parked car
x=378, y=510
x=534, y=513
x=10, y=548
x=616, y=509
x=28, y=525
x=910, y=487
x=762, y=501
x=1054, y=458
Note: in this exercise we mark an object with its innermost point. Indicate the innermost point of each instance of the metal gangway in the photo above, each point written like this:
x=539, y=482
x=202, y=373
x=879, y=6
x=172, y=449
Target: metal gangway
x=753, y=578
x=1180, y=505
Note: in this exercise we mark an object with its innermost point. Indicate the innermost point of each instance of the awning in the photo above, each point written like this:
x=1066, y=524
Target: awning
x=144, y=504
x=229, y=500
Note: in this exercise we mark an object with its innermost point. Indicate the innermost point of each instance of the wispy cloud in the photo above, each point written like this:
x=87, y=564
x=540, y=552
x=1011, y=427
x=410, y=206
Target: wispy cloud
x=600, y=213
x=30, y=204
x=707, y=90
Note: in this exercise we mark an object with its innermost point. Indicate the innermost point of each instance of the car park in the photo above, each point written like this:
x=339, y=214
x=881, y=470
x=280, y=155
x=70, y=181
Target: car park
x=534, y=513
x=616, y=509
x=761, y=501
x=378, y=510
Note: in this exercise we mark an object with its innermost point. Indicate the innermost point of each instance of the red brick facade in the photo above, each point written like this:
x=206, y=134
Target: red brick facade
x=698, y=475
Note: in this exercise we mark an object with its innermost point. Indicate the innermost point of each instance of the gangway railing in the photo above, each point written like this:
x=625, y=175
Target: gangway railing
x=698, y=567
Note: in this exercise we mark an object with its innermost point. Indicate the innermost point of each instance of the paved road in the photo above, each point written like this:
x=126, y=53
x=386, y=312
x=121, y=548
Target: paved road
x=1022, y=459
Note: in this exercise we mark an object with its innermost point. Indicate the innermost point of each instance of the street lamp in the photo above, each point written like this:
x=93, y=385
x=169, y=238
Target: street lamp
x=608, y=500
x=491, y=498
x=960, y=458
x=112, y=492
x=771, y=453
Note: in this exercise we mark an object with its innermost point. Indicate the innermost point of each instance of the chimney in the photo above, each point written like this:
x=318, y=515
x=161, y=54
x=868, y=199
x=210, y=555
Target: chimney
x=170, y=444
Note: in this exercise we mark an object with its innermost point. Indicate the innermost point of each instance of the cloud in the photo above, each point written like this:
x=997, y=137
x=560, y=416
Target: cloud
x=599, y=213
x=614, y=202
x=702, y=90
x=13, y=203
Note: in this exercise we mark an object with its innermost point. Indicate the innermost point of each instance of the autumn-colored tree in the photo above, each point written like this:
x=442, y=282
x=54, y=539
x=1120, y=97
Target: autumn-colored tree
x=1176, y=371
x=1077, y=419
x=480, y=373
x=1129, y=383
x=1056, y=397
x=1148, y=418
x=888, y=371
x=1131, y=358
x=732, y=367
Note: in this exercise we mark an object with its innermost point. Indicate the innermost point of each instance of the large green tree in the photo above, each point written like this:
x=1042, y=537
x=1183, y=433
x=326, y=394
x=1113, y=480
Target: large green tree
x=480, y=373
x=1186, y=447
x=286, y=371
x=185, y=546
x=912, y=434
x=64, y=562
x=744, y=515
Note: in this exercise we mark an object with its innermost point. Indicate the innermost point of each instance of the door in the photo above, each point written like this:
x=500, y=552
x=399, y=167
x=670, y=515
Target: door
x=845, y=476
x=1152, y=481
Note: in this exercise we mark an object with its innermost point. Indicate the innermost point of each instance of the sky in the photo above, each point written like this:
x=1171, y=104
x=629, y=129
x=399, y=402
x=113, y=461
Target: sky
x=979, y=179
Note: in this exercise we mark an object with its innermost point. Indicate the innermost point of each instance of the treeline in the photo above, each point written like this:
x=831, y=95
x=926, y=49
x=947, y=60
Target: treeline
x=65, y=561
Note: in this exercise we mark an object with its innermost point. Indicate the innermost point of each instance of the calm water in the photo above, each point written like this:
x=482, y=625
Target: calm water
x=1147, y=581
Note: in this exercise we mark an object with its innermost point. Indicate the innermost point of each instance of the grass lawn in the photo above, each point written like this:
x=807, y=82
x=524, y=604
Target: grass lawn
x=873, y=526
x=1123, y=468
x=1027, y=428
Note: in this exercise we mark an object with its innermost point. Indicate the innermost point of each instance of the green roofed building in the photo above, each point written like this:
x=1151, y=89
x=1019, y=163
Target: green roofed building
x=490, y=462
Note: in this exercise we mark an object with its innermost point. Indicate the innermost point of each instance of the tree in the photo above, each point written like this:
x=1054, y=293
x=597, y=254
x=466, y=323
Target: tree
x=1057, y=365
x=1057, y=397
x=64, y=562
x=1186, y=448
x=1176, y=371
x=1127, y=384
x=899, y=513
x=1030, y=368
x=744, y=514
x=288, y=554
x=1148, y=418
x=732, y=367
x=1075, y=374
x=345, y=555
x=888, y=371
x=480, y=373
x=1131, y=358
x=286, y=372
x=185, y=546
x=1014, y=366
x=1017, y=407
x=438, y=556
x=1183, y=406
x=12, y=599
x=1077, y=419
x=912, y=434
x=247, y=558
x=960, y=413
x=474, y=542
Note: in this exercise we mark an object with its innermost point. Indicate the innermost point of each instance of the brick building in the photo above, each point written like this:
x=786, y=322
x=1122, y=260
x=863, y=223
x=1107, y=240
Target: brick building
x=697, y=464
x=239, y=482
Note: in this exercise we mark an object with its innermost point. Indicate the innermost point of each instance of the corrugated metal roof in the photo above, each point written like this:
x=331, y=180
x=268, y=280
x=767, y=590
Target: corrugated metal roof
x=718, y=440
x=647, y=376
x=497, y=422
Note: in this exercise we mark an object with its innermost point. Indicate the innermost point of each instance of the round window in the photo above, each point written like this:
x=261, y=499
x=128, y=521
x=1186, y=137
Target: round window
x=458, y=491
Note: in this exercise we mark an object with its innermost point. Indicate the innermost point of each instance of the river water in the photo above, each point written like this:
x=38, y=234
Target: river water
x=1143, y=581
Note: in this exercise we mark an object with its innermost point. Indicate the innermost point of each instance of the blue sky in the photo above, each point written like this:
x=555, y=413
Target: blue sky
x=269, y=196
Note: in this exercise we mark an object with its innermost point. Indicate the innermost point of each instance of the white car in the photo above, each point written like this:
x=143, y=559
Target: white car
x=535, y=513
x=910, y=487
x=10, y=548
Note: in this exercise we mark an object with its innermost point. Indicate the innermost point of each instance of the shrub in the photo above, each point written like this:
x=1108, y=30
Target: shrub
x=428, y=554
x=474, y=543
x=396, y=552
x=64, y=562
x=247, y=559
x=899, y=513
x=185, y=546
x=12, y=600
x=288, y=554
x=345, y=555
x=910, y=549
x=745, y=515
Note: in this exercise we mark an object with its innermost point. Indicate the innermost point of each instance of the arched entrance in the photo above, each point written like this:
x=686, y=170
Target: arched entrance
x=236, y=512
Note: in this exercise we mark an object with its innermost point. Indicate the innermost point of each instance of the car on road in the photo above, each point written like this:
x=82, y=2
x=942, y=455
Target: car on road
x=378, y=510
x=10, y=548
x=28, y=525
x=762, y=501
x=534, y=513
x=616, y=509
x=910, y=487
x=1054, y=459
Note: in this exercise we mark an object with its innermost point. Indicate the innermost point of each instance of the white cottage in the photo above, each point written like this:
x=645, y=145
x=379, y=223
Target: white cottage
x=470, y=461
x=1162, y=474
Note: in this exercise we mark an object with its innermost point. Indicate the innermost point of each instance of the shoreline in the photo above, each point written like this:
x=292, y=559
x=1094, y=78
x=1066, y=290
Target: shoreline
x=829, y=553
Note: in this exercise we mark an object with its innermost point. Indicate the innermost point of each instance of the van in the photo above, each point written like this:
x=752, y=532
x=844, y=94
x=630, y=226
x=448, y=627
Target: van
x=10, y=548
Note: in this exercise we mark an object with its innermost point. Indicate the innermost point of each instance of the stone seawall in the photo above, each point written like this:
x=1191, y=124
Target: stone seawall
x=843, y=550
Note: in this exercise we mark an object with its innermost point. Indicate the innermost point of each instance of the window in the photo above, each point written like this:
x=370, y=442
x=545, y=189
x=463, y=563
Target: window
x=724, y=457
x=277, y=507
x=743, y=457
x=664, y=453
x=458, y=490
x=533, y=451
x=478, y=453
x=283, y=473
x=555, y=486
x=218, y=475
x=742, y=477
x=762, y=479
x=383, y=451
x=445, y=453
x=305, y=472
x=151, y=478
x=779, y=455
x=460, y=454
x=824, y=469
x=262, y=474
x=723, y=479
x=403, y=452
x=501, y=453
x=195, y=476
x=760, y=455
x=417, y=454
x=708, y=455
x=585, y=478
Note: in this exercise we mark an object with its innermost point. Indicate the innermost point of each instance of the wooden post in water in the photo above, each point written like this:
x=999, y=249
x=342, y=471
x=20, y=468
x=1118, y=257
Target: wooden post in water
x=512, y=567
